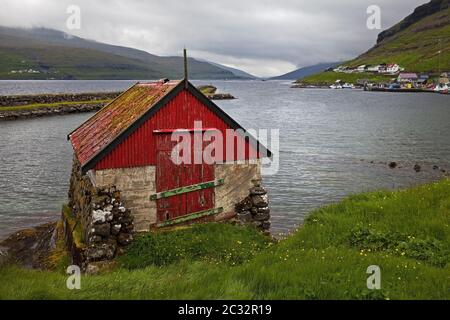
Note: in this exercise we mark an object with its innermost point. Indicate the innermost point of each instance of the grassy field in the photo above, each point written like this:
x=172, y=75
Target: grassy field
x=406, y=233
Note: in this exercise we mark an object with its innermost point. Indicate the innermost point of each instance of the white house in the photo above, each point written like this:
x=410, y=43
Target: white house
x=375, y=69
x=361, y=68
x=341, y=69
x=393, y=68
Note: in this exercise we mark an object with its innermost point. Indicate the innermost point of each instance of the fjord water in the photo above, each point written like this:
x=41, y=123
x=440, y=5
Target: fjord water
x=332, y=144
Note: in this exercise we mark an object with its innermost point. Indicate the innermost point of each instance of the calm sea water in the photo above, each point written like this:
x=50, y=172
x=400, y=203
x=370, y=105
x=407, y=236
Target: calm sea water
x=333, y=144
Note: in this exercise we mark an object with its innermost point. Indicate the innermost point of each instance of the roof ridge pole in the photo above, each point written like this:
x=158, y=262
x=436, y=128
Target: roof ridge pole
x=185, y=68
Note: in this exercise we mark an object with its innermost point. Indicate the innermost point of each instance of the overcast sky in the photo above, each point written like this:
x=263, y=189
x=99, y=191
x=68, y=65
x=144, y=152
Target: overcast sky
x=263, y=37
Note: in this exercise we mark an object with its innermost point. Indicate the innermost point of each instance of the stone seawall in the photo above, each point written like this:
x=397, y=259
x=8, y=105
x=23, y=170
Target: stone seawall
x=26, y=106
x=22, y=100
x=51, y=111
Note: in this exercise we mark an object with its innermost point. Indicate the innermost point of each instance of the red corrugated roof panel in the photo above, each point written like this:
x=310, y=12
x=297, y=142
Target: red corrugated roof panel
x=102, y=128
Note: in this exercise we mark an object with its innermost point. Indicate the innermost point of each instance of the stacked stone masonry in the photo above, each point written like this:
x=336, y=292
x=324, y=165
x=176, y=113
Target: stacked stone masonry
x=107, y=226
x=136, y=185
x=254, y=209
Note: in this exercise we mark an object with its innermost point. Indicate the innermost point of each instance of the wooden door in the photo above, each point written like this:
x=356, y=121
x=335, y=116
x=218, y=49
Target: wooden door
x=170, y=176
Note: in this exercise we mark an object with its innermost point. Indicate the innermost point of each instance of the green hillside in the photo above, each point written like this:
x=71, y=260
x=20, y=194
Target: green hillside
x=51, y=54
x=419, y=43
x=416, y=48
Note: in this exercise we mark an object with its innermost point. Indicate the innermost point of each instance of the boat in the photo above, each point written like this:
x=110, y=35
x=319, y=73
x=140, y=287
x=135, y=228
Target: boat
x=442, y=88
x=394, y=86
x=348, y=86
x=336, y=85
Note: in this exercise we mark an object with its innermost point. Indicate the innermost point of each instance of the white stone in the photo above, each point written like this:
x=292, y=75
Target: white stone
x=99, y=216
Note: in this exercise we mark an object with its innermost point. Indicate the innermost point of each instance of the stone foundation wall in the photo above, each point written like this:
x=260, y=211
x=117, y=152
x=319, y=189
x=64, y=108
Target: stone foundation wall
x=135, y=185
x=242, y=193
x=239, y=179
x=97, y=225
x=80, y=195
x=254, y=209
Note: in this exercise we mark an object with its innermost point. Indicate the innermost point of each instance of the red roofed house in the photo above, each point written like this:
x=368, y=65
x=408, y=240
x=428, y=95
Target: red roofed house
x=128, y=144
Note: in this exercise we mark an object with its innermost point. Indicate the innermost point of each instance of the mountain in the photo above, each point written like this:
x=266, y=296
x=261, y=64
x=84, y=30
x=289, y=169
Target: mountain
x=306, y=71
x=236, y=72
x=419, y=43
x=41, y=53
x=419, y=13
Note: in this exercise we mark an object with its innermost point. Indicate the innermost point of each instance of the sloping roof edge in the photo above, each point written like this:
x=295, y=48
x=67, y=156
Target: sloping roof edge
x=106, y=105
x=91, y=163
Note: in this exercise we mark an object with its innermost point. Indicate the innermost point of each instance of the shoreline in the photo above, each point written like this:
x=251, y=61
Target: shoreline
x=30, y=246
x=374, y=89
x=15, y=107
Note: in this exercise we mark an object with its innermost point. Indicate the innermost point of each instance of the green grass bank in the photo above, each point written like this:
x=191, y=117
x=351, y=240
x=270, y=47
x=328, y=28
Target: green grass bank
x=406, y=233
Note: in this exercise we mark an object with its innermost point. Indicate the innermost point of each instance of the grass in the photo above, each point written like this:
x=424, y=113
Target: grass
x=328, y=78
x=208, y=90
x=215, y=243
x=404, y=232
x=417, y=47
x=36, y=106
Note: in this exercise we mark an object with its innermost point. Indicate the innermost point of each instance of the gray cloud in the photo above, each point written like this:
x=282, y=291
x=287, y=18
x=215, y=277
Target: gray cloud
x=264, y=37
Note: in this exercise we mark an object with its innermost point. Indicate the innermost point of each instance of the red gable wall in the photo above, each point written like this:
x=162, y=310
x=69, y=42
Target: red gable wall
x=180, y=113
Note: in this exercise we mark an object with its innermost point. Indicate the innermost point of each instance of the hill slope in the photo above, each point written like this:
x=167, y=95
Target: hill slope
x=415, y=42
x=419, y=43
x=236, y=72
x=54, y=54
x=306, y=71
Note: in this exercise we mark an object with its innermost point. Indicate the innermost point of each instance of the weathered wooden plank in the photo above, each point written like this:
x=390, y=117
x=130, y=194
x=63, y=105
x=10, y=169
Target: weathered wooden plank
x=190, y=217
x=186, y=189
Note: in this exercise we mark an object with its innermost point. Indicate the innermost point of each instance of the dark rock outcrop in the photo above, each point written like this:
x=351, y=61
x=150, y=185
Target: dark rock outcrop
x=30, y=247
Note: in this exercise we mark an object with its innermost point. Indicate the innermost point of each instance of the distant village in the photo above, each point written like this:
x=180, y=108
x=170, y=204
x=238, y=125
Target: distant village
x=401, y=80
x=388, y=69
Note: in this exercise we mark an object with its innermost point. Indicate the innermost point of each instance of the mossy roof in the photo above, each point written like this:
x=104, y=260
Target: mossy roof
x=107, y=124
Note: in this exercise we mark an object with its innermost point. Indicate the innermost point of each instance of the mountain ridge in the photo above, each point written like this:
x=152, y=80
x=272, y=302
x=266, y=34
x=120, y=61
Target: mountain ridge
x=419, y=13
x=42, y=53
x=305, y=71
